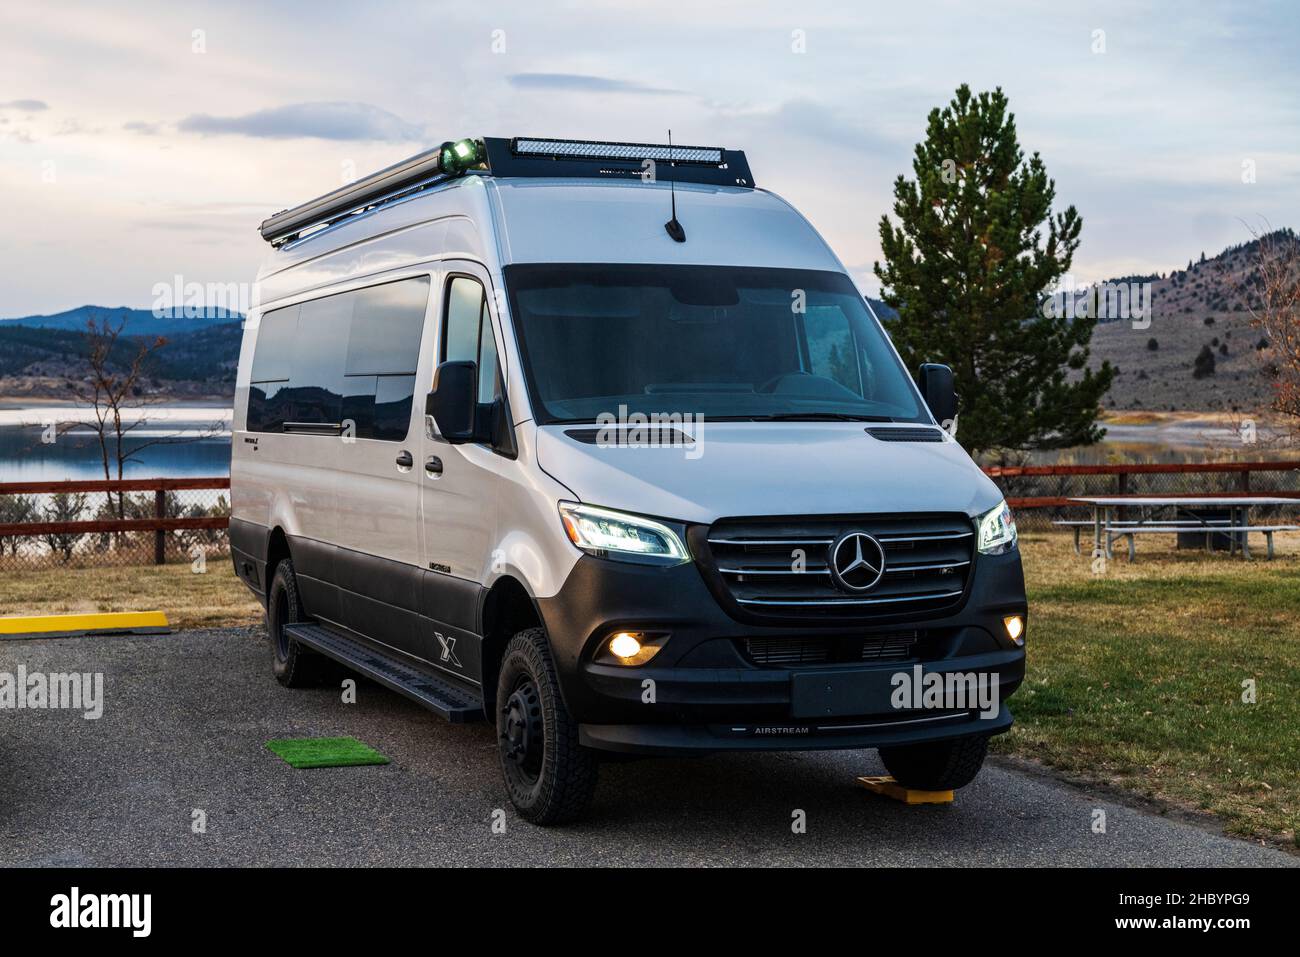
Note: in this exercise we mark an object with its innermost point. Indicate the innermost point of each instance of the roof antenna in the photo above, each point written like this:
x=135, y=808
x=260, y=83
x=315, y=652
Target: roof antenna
x=673, y=227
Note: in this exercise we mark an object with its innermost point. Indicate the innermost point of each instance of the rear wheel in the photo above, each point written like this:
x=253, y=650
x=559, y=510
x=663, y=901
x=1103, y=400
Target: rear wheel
x=550, y=777
x=937, y=765
x=294, y=665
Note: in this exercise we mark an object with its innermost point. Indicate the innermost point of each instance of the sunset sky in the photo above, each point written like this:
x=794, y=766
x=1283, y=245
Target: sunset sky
x=139, y=141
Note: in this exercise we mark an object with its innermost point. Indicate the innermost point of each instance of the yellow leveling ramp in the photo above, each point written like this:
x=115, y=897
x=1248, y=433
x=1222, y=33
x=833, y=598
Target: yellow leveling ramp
x=48, y=626
x=892, y=789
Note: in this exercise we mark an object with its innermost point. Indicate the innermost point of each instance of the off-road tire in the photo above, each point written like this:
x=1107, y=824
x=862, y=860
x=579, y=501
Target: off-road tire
x=937, y=765
x=559, y=789
x=293, y=665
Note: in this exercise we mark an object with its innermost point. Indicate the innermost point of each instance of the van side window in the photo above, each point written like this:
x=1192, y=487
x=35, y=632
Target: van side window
x=349, y=359
x=467, y=334
x=315, y=392
x=383, y=350
x=487, y=360
x=275, y=336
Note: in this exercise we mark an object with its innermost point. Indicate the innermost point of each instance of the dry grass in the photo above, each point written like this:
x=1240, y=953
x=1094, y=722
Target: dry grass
x=213, y=599
x=1136, y=677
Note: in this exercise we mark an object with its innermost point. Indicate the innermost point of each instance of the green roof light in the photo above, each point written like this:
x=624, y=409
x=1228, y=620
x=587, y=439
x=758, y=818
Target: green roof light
x=455, y=158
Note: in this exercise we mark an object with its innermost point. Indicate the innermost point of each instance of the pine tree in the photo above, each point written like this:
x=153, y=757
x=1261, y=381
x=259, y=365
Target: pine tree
x=967, y=268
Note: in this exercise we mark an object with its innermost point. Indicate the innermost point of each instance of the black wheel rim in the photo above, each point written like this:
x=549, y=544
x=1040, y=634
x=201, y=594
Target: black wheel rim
x=523, y=744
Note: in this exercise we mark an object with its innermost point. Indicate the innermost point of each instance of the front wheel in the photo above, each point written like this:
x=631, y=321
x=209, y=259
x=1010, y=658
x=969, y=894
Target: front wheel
x=550, y=777
x=937, y=765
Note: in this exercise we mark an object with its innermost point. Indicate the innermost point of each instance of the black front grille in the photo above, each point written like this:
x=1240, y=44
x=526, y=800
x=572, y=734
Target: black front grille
x=789, y=651
x=779, y=567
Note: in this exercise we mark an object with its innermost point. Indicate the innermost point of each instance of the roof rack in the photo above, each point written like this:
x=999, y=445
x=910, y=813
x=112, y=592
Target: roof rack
x=497, y=156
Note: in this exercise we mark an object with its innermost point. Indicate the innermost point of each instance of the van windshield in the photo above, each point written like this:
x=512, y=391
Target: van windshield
x=722, y=342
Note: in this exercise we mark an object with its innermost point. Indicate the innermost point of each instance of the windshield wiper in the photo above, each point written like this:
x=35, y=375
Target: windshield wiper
x=818, y=417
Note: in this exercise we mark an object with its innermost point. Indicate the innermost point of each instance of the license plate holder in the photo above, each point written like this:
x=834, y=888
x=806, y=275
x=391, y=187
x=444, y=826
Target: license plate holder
x=832, y=694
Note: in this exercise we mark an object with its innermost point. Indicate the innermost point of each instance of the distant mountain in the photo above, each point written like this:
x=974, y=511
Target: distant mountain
x=41, y=356
x=139, y=322
x=885, y=313
x=1204, y=307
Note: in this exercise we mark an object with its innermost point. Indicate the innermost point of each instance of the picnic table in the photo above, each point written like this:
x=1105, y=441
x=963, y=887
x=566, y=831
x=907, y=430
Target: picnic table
x=1107, y=527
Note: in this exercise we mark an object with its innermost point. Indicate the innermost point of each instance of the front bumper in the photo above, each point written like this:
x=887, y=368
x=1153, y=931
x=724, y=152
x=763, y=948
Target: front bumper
x=702, y=692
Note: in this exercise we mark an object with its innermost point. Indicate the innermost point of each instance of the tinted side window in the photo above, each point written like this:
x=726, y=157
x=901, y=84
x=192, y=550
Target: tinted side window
x=274, y=345
x=468, y=335
x=487, y=360
x=387, y=322
x=464, y=313
x=392, y=408
x=349, y=358
x=383, y=351
x=266, y=406
x=272, y=352
x=315, y=392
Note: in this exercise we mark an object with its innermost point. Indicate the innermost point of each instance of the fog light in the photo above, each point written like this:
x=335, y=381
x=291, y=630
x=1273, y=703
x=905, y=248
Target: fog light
x=630, y=648
x=625, y=645
x=1015, y=626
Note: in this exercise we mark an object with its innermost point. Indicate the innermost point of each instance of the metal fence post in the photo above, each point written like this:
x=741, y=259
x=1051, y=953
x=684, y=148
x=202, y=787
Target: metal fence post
x=159, y=536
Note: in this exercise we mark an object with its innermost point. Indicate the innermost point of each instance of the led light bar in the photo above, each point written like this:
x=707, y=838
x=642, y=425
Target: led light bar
x=524, y=156
x=598, y=150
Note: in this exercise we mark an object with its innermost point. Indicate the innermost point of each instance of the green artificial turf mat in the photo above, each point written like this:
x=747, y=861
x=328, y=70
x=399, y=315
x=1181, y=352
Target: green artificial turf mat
x=325, y=752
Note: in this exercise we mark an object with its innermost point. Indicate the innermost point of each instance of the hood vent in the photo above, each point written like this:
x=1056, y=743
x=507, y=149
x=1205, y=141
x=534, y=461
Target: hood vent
x=635, y=436
x=907, y=435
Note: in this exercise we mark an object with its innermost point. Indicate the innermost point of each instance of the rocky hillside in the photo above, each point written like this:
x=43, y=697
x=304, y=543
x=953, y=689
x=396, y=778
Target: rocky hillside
x=40, y=356
x=1200, y=352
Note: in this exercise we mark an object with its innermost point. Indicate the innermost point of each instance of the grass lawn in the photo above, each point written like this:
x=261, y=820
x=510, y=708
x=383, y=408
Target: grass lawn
x=213, y=599
x=1136, y=677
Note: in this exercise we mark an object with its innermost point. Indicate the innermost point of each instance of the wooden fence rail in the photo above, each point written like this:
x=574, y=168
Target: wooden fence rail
x=160, y=524
x=1159, y=468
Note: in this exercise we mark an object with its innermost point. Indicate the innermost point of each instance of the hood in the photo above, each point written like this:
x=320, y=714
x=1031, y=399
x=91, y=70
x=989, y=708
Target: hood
x=769, y=468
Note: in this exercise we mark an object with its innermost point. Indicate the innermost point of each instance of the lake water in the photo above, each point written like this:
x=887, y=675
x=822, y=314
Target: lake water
x=191, y=441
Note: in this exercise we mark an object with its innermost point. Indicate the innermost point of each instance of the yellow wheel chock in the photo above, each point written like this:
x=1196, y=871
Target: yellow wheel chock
x=888, y=787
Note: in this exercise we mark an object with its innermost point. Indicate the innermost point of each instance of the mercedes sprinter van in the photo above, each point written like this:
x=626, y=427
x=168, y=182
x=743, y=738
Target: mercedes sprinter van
x=599, y=442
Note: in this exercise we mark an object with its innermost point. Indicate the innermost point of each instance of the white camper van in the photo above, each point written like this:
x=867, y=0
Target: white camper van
x=599, y=442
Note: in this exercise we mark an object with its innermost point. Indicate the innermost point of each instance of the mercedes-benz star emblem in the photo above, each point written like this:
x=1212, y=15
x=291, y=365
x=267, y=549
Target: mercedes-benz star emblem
x=857, y=562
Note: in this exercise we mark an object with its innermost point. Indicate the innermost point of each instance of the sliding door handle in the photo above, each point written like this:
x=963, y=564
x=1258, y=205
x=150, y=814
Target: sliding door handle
x=433, y=465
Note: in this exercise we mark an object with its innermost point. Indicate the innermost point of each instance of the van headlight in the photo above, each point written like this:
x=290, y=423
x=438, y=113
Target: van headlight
x=996, y=530
x=606, y=533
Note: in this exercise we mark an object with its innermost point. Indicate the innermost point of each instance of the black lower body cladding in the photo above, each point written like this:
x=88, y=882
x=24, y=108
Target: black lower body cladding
x=717, y=685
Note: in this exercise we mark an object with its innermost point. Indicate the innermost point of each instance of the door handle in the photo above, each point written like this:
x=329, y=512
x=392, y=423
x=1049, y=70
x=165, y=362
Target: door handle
x=433, y=465
x=404, y=459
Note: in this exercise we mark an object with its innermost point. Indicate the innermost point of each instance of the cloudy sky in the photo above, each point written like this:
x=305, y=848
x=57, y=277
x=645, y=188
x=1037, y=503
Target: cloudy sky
x=139, y=141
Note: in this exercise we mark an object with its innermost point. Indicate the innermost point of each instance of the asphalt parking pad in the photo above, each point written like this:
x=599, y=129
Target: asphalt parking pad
x=325, y=752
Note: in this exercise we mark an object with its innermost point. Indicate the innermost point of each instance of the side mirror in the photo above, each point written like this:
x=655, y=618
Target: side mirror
x=453, y=401
x=935, y=382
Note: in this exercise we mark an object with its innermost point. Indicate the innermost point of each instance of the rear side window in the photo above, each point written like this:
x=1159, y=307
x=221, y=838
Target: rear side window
x=345, y=361
x=275, y=345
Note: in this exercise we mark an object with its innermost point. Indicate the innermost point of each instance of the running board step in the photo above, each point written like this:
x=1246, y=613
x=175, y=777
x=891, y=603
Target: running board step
x=440, y=697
